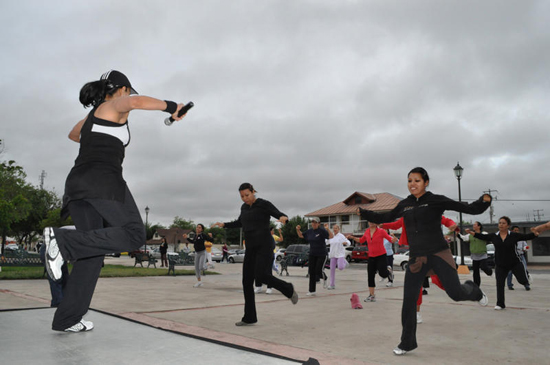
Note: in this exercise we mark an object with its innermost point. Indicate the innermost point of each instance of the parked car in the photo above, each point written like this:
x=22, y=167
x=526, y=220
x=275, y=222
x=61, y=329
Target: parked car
x=360, y=253
x=156, y=253
x=401, y=259
x=491, y=255
x=12, y=246
x=280, y=254
x=217, y=254
x=297, y=250
x=141, y=250
x=402, y=249
x=297, y=255
x=467, y=260
x=238, y=256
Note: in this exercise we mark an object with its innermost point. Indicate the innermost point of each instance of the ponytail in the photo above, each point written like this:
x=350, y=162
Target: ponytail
x=94, y=93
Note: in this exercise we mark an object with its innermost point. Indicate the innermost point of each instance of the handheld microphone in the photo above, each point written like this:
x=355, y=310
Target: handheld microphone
x=169, y=121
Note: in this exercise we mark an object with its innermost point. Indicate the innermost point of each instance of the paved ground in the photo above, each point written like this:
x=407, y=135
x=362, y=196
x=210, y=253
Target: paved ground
x=322, y=327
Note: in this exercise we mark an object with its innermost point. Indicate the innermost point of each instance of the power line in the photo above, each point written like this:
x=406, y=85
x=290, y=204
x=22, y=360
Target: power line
x=537, y=214
x=514, y=200
x=491, y=209
x=42, y=177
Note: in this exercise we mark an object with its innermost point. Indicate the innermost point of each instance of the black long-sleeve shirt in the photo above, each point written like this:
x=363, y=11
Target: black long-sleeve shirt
x=254, y=219
x=422, y=219
x=317, y=241
x=198, y=241
x=506, y=254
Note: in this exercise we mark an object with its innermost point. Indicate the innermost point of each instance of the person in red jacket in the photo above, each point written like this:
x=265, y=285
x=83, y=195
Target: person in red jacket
x=374, y=237
x=447, y=222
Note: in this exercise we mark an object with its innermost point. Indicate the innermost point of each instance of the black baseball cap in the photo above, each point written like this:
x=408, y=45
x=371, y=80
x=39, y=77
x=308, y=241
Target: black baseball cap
x=118, y=79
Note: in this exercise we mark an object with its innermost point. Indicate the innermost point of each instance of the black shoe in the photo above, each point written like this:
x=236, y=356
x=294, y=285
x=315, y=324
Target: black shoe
x=510, y=288
x=424, y=292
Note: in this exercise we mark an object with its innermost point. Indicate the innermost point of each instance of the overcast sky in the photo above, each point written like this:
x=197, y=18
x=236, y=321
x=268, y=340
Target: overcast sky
x=309, y=101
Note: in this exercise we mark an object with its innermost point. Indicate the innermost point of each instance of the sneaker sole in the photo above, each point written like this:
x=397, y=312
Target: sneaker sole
x=52, y=255
x=294, y=298
x=82, y=326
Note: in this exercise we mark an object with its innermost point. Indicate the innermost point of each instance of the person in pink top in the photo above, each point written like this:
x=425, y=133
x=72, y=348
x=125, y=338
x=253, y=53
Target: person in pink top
x=374, y=237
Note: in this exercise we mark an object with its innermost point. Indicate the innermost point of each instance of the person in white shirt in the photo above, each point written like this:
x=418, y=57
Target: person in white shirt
x=337, y=254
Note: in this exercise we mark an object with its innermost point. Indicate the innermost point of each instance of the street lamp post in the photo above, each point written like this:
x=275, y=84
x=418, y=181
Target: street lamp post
x=458, y=173
x=146, y=225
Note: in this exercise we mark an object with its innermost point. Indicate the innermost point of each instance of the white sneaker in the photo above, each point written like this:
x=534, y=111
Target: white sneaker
x=418, y=317
x=325, y=284
x=397, y=351
x=81, y=326
x=370, y=298
x=382, y=279
x=310, y=294
x=269, y=291
x=197, y=284
x=530, y=279
x=484, y=300
x=258, y=289
x=498, y=308
x=389, y=284
x=331, y=287
x=54, y=260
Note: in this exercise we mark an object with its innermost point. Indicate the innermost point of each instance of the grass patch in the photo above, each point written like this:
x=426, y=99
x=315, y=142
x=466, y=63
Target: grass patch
x=21, y=272
x=108, y=271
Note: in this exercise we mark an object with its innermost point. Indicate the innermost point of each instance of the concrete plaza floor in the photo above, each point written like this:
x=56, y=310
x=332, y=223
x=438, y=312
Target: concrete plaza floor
x=166, y=320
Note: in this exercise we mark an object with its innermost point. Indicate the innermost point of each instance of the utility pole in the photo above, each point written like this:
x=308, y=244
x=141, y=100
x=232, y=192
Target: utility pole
x=42, y=177
x=491, y=209
x=537, y=214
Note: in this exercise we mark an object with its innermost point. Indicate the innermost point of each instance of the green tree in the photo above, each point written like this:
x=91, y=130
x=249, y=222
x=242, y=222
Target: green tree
x=151, y=229
x=218, y=234
x=182, y=223
x=53, y=219
x=233, y=236
x=42, y=202
x=290, y=237
x=14, y=206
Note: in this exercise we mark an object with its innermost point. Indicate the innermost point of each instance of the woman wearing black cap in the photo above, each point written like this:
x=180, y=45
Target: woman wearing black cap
x=96, y=196
x=254, y=219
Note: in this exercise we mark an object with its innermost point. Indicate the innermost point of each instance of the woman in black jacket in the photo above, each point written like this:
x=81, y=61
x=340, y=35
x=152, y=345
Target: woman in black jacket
x=428, y=250
x=506, y=256
x=96, y=196
x=198, y=241
x=163, y=249
x=254, y=220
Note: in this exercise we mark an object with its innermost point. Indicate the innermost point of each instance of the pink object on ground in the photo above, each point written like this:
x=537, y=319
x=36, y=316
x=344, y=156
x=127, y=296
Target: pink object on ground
x=355, y=302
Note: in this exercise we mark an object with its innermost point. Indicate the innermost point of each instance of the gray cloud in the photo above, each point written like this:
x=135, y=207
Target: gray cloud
x=308, y=100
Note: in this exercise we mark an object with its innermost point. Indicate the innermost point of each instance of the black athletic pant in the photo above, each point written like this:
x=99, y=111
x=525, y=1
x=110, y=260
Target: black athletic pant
x=256, y=259
x=390, y=264
x=315, y=270
x=413, y=283
x=102, y=226
x=377, y=264
x=483, y=265
x=501, y=273
x=268, y=269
